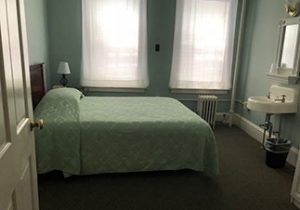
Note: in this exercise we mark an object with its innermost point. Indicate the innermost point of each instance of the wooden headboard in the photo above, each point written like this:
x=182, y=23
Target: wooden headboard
x=37, y=83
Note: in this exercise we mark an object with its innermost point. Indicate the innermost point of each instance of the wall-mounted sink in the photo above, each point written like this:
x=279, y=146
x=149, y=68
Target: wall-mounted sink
x=282, y=100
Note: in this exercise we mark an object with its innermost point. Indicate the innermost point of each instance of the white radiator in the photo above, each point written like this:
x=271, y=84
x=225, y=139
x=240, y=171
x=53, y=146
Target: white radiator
x=207, y=108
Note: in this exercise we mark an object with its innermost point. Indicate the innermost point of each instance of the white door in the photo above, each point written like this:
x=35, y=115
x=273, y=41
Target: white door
x=18, y=179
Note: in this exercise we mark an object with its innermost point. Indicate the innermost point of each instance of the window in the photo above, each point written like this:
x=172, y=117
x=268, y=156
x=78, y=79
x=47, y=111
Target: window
x=114, y=44
x=203, y=44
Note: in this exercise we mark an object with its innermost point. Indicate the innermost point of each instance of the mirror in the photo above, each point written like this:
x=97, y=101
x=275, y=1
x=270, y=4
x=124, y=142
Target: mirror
x=289, y=47
x=287, y=59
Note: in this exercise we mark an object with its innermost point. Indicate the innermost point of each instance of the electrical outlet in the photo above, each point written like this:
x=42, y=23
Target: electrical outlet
x=225, y=119
x=157, y=47
x=220, y=117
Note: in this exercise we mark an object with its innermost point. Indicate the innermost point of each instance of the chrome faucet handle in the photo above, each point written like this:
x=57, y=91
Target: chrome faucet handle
x=283, y=98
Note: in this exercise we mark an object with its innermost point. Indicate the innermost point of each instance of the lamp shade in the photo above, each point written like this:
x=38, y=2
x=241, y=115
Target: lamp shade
x=63, y=68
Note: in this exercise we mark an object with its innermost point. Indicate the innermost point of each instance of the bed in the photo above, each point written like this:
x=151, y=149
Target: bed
x=89, y=135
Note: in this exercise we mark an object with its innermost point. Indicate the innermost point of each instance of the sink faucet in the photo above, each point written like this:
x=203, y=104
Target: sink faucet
x=281, y=99
x=268, y=95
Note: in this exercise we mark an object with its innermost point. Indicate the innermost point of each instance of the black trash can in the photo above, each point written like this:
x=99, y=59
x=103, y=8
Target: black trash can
x=277, y=151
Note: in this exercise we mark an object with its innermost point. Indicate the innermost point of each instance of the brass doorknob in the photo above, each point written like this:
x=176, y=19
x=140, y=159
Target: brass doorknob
x=37, y=124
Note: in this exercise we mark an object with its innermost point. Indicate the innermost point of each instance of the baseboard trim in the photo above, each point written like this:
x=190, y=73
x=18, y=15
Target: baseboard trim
x=222, y=117
x=296, y=202
x=257, y=133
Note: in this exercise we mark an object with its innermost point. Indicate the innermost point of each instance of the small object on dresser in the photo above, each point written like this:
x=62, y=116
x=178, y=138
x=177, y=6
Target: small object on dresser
x=63, y=69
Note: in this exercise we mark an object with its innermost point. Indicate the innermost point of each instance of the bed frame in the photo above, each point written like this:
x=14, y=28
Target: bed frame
x=38, y=89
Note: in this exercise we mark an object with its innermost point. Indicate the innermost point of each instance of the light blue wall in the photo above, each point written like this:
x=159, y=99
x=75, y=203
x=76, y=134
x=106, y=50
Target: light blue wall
x=64, y=24
x=259, y=51
x=59, y=23
x=64, y=21
x=37, y=33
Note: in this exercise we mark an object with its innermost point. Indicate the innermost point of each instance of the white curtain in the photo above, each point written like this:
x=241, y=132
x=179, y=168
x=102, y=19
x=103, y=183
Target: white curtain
x=203, y=44
x=114, y=42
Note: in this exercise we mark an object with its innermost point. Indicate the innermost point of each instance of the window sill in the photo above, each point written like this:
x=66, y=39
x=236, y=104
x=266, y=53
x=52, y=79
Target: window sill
x=202, y=91
x=115, y=90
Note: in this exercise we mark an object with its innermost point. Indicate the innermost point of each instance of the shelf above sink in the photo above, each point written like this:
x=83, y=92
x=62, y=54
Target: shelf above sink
x=283, y=79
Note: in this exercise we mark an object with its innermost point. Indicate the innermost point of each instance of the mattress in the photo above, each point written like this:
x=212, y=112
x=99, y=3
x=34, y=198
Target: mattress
x=121, y=134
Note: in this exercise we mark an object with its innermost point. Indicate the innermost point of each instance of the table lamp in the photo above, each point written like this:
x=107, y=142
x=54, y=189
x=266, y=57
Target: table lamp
x=63, y=69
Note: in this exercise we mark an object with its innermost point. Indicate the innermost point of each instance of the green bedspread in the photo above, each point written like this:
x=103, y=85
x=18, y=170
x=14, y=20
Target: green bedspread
x=125, y=134
x=58, y=144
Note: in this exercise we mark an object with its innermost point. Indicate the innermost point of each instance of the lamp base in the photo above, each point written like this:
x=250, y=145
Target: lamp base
x=63, y=81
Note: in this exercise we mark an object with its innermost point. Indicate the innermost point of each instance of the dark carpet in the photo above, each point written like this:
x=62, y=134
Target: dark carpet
x=245, y=182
